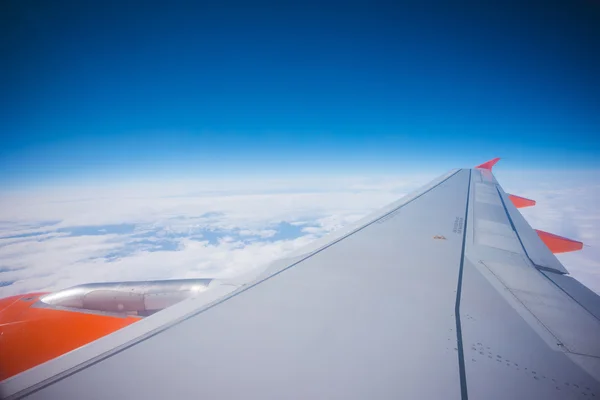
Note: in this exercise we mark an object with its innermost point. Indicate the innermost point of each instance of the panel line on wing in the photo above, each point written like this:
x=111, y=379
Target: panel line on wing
x=461, y=357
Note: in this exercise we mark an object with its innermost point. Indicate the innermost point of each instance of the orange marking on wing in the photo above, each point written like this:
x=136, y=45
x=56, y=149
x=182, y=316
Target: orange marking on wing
x=30, y=336
x=559, y=244
x=521, y=202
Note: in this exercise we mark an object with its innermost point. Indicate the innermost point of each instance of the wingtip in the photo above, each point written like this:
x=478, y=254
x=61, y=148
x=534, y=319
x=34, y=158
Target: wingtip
x=488, y=164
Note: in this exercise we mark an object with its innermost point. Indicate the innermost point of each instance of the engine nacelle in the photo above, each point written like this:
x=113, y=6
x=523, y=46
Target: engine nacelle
x=140, y=298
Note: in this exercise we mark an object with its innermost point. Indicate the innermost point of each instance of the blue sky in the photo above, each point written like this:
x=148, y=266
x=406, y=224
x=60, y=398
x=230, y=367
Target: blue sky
x=111, y=90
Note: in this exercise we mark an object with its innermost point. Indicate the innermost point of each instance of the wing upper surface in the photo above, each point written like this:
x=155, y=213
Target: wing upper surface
x=435, y=296
x=339, y=322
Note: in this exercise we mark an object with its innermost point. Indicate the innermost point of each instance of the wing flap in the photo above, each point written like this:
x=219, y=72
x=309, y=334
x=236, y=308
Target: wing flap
x=537, y=251
x=589, y=300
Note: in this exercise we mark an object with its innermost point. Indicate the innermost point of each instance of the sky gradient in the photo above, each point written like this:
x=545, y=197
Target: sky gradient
x=111, y=90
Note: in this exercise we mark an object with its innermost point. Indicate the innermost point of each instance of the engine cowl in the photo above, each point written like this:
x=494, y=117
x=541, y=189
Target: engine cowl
x=137, y=297
x=38, y=327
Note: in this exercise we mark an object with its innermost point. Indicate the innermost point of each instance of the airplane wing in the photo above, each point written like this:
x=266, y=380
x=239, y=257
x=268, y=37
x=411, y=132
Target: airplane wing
x=447, y=293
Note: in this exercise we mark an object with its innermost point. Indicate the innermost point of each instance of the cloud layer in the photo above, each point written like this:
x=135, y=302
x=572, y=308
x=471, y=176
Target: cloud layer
x=59, y=237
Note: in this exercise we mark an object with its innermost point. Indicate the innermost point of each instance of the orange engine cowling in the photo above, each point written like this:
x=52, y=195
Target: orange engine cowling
x=38, y=327
x=31, y=334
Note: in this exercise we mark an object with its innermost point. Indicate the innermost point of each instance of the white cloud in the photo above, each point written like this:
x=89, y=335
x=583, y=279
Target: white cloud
x=59, y=237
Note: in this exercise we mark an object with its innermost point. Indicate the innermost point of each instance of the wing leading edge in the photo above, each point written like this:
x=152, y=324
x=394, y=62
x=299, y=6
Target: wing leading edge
x=435, y=296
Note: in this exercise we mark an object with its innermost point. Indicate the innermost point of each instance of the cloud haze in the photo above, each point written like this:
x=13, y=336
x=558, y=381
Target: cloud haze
x=58, y=237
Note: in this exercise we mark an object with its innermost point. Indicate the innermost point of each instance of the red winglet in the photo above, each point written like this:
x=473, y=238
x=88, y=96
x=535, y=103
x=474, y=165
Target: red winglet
x=559, y=244
x=489, y=164
x=521, y=202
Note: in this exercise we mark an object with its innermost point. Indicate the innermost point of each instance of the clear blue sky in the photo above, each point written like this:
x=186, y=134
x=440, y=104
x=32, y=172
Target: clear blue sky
x=90, y=90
